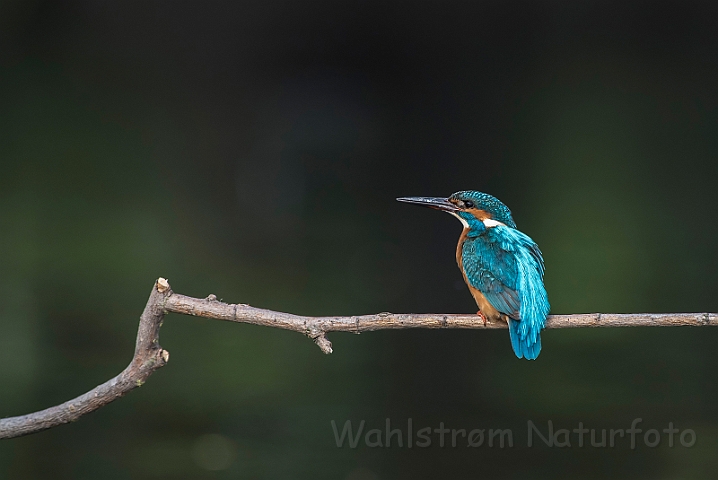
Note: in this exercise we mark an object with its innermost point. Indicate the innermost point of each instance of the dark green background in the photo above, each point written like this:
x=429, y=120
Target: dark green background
x=254, y=150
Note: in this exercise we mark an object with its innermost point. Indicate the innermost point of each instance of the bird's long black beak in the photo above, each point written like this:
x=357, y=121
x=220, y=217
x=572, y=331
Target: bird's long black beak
x=432, y=202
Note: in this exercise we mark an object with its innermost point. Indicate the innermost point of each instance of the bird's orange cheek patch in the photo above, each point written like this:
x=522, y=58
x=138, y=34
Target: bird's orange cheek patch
x=480, y=215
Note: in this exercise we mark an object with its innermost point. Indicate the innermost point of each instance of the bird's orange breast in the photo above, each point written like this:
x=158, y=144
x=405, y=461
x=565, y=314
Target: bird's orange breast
x=486, y=308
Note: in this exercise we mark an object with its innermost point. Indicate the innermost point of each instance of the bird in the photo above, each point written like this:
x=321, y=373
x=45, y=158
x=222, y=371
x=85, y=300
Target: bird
x=502, y=266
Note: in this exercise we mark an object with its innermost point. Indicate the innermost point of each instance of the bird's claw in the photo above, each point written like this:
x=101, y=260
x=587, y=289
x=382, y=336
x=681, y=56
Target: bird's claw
x=483, y=317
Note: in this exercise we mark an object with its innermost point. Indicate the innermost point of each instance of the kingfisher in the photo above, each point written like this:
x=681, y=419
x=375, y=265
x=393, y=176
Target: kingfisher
x=502, y=266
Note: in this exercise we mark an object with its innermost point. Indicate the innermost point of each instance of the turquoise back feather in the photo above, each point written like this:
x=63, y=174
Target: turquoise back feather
x=506, y=266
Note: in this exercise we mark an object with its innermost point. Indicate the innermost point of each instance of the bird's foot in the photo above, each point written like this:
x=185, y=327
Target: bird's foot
x=483, y=317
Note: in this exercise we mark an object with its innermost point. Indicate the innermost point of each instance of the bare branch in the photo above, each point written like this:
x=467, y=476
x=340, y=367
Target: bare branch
x=149, y=356
x=317, y=327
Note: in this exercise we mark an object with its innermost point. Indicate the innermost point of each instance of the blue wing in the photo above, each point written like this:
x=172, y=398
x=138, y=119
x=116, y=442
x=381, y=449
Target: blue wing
x=506, y=266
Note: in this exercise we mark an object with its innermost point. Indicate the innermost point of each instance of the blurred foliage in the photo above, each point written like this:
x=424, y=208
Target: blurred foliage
x=254, y=151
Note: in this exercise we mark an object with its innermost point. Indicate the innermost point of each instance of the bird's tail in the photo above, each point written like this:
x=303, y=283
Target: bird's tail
x=526, y=341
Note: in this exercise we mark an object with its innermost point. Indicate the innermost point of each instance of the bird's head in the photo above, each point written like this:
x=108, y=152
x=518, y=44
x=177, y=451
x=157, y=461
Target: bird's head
x=470, y=207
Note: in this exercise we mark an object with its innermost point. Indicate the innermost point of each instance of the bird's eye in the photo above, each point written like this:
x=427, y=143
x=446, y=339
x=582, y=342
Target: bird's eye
x=468, y=204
